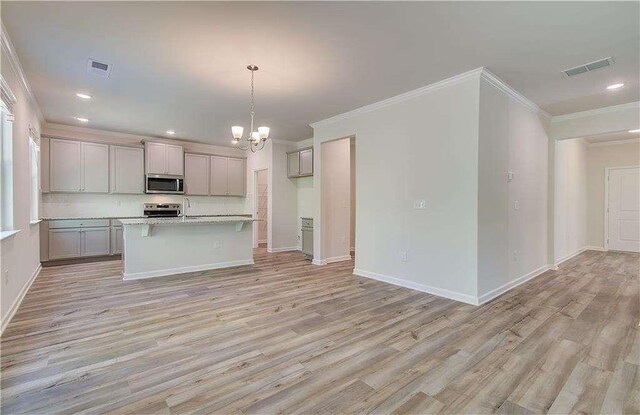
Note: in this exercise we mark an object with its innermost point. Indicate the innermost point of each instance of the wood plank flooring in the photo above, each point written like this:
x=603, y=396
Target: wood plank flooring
x=284, y=336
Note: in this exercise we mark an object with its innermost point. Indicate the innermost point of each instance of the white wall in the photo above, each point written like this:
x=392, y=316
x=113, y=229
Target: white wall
x=423, y=145
x=512, y=215
x=19, y=253
x=570, y=234
x=594, y=122
x=285, y=198
x=598, y=159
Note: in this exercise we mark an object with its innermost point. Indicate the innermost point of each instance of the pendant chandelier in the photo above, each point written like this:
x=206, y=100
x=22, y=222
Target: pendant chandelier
x=256, y=139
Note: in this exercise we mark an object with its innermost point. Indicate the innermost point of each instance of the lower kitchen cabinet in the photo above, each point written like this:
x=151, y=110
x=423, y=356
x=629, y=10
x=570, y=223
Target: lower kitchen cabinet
x=116, y=240
x=74, y=242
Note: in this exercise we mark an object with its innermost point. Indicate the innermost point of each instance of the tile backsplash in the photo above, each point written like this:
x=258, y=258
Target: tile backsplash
x=56, y=205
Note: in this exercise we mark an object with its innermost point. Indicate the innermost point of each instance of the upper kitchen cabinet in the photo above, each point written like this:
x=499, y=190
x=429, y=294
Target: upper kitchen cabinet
x=300, y=163
x=77, y=166
x=127, y=170
x=196, y=174
x=164, y=158
x=227, y=176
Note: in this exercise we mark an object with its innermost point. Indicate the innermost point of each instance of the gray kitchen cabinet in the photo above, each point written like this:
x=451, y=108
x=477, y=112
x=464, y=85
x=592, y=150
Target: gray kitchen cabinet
x=196, y=174
x=116, y=240
x=77, y=166
x=306, y=162
x=161, y=158
x=236, y=177
x=293, y=164
x=300, y=163
x=127, y=170
x=77, y=238
x=64, y=243
x=227, y=176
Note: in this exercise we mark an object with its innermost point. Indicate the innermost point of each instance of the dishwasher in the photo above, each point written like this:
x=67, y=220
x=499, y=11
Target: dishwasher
x=307, y=237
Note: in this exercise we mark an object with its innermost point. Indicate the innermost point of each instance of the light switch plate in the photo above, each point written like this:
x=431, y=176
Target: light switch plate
x=420, y=204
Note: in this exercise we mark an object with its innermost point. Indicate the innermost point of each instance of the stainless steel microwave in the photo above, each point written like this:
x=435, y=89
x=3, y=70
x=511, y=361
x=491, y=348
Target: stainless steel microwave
x=164, y=184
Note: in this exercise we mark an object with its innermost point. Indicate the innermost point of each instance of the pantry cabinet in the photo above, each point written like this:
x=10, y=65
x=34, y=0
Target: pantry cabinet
x=76, y=166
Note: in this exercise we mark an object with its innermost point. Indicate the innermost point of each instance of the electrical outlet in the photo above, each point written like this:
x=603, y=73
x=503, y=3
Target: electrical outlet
x=298, y=237
x=6, y=277
x=509, y=176
x=516, y=205
x=403, y=256
x=216, y=244
x=515, y=256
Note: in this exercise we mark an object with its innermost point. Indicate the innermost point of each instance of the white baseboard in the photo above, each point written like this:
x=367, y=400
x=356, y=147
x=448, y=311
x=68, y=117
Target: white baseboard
x=596, y=248
x=284, y=249
x=264, y=241
x=578, y=252
x=512, y=284
x=19, y=298
x=183, y=270
x=440, y=292
x=331, y=260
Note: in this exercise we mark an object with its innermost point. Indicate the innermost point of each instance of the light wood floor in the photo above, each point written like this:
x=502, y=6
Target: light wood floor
x=286, y=336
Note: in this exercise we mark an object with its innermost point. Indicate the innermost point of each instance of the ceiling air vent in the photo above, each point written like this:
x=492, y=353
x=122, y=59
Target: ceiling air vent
x=99, y=68
x=587, y=67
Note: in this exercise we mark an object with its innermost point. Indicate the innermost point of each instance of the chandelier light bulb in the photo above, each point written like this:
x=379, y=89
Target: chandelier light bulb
x=237, y=132
x=264, y=132
x=255, y=136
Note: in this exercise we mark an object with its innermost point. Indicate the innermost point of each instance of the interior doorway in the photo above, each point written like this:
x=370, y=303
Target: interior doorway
x=622, y=214
x=261, y=206
x=338, y=201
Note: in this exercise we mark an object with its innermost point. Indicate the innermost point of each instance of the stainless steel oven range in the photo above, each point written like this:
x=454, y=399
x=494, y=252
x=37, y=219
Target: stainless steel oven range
x=162, y=210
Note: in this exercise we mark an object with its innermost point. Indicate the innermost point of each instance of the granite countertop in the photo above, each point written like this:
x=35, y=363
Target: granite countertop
x=142, y=217
x=187, y=220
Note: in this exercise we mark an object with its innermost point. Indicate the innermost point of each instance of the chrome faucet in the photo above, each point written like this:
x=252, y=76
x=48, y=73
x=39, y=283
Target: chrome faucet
x=187, y=204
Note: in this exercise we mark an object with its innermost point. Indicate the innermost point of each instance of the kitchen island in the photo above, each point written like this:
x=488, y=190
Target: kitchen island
x=155, y=247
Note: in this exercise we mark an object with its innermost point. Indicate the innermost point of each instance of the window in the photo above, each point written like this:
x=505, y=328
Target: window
x=34, y=168
x=6, y=169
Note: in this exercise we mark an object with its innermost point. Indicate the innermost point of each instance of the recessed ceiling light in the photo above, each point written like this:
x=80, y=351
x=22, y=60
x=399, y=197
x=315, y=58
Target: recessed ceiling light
x=171, y=132
x=83, y=96
x=615, y=86
x=82, y=119
x=637, y=130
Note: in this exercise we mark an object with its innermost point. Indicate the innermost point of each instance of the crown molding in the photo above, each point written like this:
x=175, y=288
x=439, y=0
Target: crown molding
x=7, y=93
x=598, y=111
x=615, y=142
x=505, y=88
x=400, y=98
x=482, y=73
x=8, y=48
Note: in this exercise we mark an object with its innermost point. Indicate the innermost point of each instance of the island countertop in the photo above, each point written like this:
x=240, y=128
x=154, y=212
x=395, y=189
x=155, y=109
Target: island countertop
x=182, y=220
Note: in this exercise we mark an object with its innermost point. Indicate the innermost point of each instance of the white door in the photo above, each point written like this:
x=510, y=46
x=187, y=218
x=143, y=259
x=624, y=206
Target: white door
x=306, y=162
x=175, y=160
x=64, y=243
x=95, y=241
x=95, y=168
x=156, y=158
x=235, y=177
x=219, y=185
x=64, y=166
x=623, y=223
x=127, y=171
x=196, y=174
x=262, y=204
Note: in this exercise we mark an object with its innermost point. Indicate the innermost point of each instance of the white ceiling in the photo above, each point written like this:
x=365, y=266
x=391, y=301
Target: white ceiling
x=181, y=65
